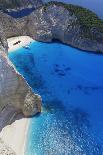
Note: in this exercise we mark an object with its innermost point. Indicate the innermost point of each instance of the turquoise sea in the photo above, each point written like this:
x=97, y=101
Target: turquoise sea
x=70, y=82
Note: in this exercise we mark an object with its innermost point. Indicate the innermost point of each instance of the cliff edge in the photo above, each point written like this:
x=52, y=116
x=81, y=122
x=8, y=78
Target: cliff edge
x=70, y=24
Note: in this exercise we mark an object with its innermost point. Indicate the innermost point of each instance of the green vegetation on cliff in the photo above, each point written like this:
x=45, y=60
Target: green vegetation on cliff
x=87, y=19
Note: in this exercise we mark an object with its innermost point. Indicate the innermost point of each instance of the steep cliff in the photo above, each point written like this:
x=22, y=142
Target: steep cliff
x=47, y=23
x=69, y=24
x=14, y=4
x=15, y=91
x=13, y=88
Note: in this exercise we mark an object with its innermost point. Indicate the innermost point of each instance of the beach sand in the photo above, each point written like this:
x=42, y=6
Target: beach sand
x=14, y=134
x=22, y=41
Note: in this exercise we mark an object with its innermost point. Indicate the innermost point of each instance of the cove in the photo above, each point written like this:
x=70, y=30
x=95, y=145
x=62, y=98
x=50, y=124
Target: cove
x=70, y=82
x=21, y=13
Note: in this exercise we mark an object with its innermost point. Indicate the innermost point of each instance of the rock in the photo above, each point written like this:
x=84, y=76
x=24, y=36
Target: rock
x=17, y=4
x=53, y=21
x=13, y=88
x=15, y=91
x=49, y=22
x=57, y=21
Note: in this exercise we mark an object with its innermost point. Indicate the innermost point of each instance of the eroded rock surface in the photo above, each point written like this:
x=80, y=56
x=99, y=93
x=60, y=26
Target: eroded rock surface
x=55, y=21
x=46, y=24
x=15, y=91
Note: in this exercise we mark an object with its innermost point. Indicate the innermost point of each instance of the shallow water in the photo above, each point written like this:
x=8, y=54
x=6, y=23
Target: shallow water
x=71, y=84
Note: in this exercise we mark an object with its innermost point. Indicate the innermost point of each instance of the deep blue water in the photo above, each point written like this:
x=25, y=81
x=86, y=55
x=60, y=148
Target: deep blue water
x=71, y=85
x=20, y=13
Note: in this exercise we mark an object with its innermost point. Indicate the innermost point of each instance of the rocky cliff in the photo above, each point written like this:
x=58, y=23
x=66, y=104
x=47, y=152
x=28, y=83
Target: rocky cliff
x=15, y=91
x=15, y=4
x=50, y=22
x=53, y=21
x=69, y=24
x=13, y=88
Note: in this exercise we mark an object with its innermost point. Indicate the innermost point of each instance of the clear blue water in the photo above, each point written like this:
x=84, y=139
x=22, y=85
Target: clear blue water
x=71, y=85
x=20, y=13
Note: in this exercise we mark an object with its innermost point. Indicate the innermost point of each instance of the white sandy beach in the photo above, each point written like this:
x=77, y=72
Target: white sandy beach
x=14, y=135
x=22, y=41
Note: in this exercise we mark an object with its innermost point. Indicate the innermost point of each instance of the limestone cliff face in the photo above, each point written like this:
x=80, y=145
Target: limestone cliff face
x=13, y=88
x=44, y=24
x=57, y=22
x=15, y=91
x=53, y=21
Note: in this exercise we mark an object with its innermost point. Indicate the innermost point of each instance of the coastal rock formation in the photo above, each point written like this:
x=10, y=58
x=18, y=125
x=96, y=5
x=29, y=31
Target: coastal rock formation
x=53, y=21
x=15, y=91
x=58, y=21
x=13, y=88
x=69, y=24
x=17, y=4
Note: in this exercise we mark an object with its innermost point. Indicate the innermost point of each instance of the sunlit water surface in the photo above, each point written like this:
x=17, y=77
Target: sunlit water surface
x=70, y=82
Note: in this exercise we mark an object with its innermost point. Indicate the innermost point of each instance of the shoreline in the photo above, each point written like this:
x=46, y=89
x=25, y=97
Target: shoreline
x=25, y=138
x=15, y=43
x=14, y=132
x=14, y=126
